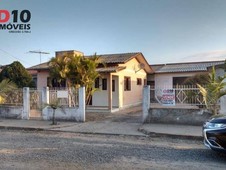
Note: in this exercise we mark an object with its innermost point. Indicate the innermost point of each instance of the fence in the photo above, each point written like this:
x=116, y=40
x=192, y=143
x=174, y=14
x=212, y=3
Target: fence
x=65, y=96
x=35, y=99
x=184, y=115
x=182, y=95
x=14, y=98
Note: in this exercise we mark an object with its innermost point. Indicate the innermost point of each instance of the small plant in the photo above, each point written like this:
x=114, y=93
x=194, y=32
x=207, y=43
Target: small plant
x=213, y=91
x=54, y=105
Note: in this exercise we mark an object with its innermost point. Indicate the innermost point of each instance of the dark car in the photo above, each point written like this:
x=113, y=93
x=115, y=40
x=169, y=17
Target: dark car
x=214, y=132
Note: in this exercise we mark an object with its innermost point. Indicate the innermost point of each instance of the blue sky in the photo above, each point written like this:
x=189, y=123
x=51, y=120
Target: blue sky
x=165, y=31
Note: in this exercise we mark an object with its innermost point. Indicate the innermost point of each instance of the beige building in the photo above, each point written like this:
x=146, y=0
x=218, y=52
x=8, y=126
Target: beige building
x=120, y=84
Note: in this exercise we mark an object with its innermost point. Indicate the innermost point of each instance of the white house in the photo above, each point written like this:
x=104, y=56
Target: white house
x=169, y=75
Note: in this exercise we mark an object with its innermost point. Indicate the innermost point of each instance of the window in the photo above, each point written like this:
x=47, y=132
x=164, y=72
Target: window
x=113, y=85
x=35, y=80
x=97, y=83
x=56, y=83
x=139, y=81
x=127, y=83
x=104, y=84
x=179, y=80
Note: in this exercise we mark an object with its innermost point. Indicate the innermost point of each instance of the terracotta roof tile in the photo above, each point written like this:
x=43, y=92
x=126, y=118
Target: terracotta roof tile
x=117, y=58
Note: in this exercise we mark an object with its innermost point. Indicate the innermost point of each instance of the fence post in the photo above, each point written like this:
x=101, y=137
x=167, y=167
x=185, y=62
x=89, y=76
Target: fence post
x=26, y=103
x=45, y=100
x=45, y=95
x=146, y=102
x=82, y=103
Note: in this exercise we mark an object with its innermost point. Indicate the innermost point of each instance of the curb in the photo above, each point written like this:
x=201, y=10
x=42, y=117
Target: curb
x=97, y=133
x=145, y=132
x=154, y=134
x=64, y=131
x=22, y=128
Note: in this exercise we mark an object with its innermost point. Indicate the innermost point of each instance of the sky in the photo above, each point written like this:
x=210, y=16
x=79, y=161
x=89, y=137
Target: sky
x=165, y=31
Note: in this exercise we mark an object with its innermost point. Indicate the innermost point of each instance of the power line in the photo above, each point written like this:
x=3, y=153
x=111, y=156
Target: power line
x=13, y=56
x=40, y=53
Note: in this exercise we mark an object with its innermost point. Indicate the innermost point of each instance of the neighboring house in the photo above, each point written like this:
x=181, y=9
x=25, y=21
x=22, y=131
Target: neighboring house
x=221, y=71
x=169, y=75
x=121, y=81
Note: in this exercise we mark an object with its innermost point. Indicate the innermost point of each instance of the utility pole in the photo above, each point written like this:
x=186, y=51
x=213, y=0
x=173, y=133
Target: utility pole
x=40, y=53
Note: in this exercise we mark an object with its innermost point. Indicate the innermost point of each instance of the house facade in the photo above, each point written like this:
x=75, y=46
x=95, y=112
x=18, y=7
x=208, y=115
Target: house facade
x=120, y=83
x=170, y=75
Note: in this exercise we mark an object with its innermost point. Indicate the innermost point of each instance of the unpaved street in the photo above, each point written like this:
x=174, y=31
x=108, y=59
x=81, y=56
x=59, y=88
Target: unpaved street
x=51, y=150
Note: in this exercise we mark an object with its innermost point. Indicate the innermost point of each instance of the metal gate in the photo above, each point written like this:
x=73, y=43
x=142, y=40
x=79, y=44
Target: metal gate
x=36, y=104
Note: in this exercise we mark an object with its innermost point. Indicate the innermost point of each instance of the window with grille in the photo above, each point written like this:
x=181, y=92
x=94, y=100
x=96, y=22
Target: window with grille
x=104, y=84
x=139, y=81
x=97, y=83
x=127, y=83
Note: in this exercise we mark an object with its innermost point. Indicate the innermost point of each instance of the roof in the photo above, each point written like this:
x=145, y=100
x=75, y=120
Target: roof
x=106, y=58
x=117, y=58
x=111, y=59
x=109, y=69
x=42, y=66
x=184, y=67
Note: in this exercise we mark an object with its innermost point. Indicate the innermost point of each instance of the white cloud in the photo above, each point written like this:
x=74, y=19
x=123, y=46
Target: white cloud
x=206, y=56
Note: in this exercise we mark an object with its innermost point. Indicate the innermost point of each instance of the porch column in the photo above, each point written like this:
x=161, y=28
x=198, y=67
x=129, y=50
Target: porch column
x=110, y=93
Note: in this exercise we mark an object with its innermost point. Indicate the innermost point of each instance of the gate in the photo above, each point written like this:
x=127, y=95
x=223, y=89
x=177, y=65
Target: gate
x=36, y=104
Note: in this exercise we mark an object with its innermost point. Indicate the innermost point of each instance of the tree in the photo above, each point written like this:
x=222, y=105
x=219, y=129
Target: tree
x=76, y=71
x=6, y=87
x=16, y=73
x=213, y=91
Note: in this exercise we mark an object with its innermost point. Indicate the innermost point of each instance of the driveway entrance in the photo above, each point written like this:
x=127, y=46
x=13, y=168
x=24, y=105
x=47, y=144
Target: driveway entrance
x=35, y=104
x=129, y=115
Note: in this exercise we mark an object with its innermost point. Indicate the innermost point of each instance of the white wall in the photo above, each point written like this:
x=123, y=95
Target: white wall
x=42, y=79
x=165, y=80
x=134, y=96
x=100, y=97
x=66, y=113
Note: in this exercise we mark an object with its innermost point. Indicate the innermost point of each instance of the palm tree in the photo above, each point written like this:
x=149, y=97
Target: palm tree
x=83, y=71
x=77, y=71
x=59, y=68
x=6, y=86
x=213, y=91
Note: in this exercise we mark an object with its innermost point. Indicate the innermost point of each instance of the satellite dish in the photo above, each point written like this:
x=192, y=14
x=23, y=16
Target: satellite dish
x=140, y=66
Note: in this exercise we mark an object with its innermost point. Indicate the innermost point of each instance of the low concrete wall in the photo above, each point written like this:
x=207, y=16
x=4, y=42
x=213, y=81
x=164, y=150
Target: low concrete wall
x=69, y=114
x=177, y=116
x=14, y=112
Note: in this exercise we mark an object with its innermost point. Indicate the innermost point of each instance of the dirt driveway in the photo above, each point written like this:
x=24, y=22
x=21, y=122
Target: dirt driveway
x=130, y=115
